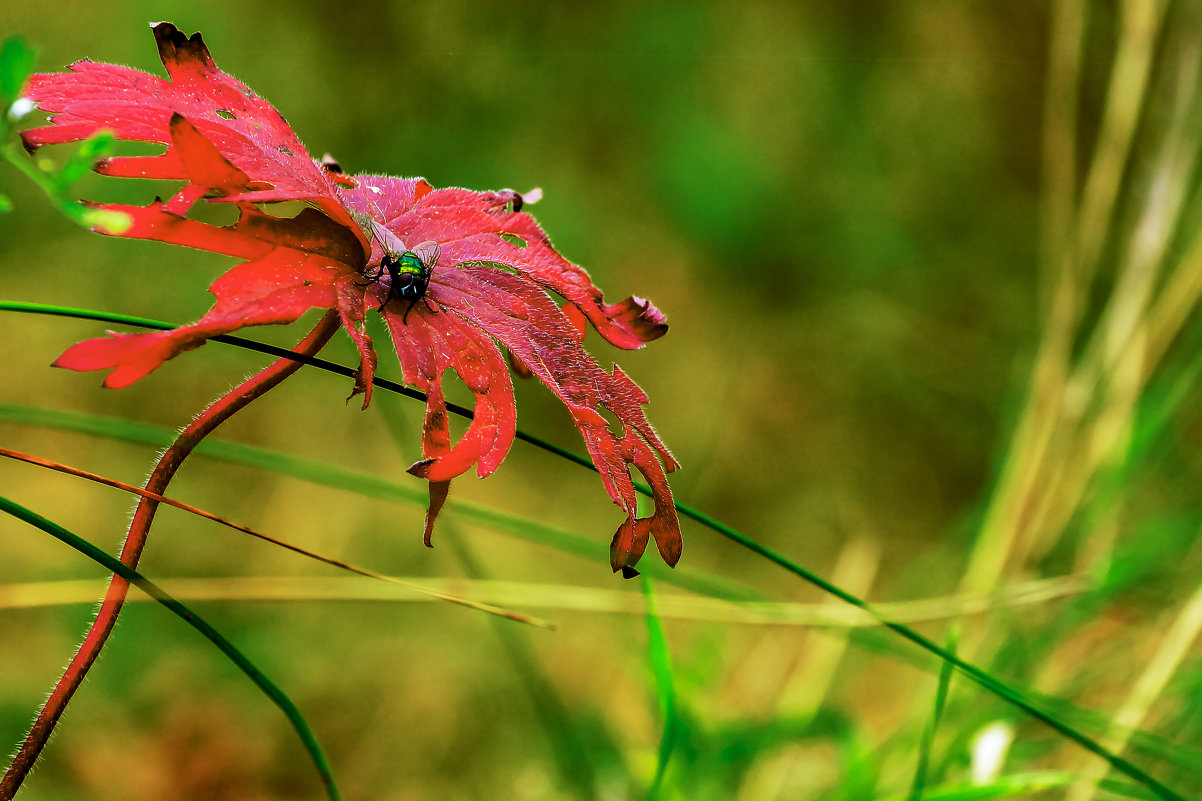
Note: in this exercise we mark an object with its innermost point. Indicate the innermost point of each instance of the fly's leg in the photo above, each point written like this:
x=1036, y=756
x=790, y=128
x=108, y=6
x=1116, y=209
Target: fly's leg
x=371, y=279
x=405, y=316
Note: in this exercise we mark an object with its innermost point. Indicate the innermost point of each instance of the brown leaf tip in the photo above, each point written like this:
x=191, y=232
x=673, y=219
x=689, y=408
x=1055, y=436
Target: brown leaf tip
x=330, y=164
x=174, y=46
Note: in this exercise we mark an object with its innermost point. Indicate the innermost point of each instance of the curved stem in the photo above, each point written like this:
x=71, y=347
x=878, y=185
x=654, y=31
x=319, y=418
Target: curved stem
x=220, y=411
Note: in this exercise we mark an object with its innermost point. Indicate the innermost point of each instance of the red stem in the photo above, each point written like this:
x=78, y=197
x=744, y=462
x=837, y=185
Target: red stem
x=220, y=411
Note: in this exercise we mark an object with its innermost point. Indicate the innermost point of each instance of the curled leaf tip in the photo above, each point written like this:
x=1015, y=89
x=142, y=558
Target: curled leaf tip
x=516, y=201
x=420, y=468
x=641, y=316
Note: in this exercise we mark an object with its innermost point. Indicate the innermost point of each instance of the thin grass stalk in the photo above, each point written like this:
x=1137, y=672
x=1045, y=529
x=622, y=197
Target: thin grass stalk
x=1175, y=303
x=1116, y=366
x=591, y=600
x=660, y=659
x=369, y=485
x=1043, y=420
x=1061, y=301
x=969, y=670
x=1140, y=24
x=931, y=728
x=1060, y=123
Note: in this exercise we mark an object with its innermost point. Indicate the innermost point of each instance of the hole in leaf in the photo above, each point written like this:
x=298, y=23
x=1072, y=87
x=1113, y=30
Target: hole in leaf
x=214, y=213
x=225, y=114
x=616, y=426
x=514, y=239
x=284, y=210
x=645, y=505
x=455, y=391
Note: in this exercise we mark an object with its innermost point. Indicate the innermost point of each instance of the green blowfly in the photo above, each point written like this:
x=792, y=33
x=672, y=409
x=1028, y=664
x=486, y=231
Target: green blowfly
x=408, y=271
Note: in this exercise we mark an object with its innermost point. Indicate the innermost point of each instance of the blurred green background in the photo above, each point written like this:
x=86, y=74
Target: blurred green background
x=838, y=206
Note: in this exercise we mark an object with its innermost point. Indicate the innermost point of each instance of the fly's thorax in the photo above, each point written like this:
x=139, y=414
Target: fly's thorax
x=410, y=264
x=406, y=263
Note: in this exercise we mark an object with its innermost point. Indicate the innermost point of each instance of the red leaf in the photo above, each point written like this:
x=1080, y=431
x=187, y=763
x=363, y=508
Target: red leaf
x=131, y=356
x=512, y=308
x=136, y=106
x=486, y=270
x=278, y=288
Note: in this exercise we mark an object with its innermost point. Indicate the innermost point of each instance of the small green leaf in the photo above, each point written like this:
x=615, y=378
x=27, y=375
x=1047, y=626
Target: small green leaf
x=16, y=64
x=84, y=158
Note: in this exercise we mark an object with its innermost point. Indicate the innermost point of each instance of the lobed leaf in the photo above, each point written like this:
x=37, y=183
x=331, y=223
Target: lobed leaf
x=486, y=269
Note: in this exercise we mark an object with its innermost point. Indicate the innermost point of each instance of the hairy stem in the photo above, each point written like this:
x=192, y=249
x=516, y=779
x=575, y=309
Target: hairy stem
x=220, y=411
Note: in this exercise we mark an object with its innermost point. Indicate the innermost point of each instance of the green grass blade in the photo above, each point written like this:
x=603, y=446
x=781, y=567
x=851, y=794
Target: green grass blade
x=277, y=696
x=928, y=735
x=665, y=688
x=972, y=672
x=55, y=184
x=16, y=63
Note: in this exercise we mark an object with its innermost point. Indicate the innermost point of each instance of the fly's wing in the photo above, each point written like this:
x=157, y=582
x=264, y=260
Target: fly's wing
x=363, y=220
x=389, y=241
x=428, y=253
